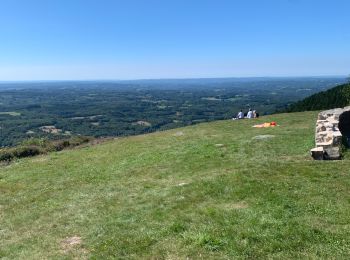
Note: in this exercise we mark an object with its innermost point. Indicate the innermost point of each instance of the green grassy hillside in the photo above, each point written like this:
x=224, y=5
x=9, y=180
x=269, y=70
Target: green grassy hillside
x=216, y=190
x=335, y=97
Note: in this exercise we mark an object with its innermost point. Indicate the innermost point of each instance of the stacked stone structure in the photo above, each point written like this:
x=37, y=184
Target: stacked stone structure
x=328, y=136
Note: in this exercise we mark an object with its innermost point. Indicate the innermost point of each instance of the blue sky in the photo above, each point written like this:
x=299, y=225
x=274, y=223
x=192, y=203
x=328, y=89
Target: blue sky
x=133, y=39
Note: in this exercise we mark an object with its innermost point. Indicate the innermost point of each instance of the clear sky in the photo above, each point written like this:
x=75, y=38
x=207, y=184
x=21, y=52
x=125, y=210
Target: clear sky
x=132, y=39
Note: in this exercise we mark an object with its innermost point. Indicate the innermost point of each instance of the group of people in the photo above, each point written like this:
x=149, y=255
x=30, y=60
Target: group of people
x=251, y=114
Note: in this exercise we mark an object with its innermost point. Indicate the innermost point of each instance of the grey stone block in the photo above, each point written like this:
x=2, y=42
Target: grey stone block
x=317, y=153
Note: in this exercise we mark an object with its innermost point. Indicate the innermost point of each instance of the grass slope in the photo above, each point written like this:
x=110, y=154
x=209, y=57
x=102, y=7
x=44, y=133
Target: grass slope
x=177, y=194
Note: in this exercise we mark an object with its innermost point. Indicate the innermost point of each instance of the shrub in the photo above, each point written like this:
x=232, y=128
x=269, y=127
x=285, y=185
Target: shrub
x=36, y=146
x=26, y=151
x=41, y=142
x=60, y=145
x=78, y=140
x=6, y=155
x=72, y=142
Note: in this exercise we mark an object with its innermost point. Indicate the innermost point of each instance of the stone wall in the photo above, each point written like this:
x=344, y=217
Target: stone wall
x=328, y=137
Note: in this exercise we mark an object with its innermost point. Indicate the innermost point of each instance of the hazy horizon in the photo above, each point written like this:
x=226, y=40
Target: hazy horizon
x=176, y=79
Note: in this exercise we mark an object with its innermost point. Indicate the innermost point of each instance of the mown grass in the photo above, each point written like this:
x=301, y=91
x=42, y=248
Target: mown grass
x=178, y=194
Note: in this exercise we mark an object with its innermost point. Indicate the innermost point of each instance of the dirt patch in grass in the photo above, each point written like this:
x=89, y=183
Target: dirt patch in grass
x=70, y=242
x=73, y=245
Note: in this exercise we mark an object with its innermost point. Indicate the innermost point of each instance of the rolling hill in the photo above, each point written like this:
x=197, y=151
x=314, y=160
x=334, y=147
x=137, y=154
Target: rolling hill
x=218, y=190
x=338, y=96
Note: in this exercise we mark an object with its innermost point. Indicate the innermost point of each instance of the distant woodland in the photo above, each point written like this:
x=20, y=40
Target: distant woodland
x=57, y=110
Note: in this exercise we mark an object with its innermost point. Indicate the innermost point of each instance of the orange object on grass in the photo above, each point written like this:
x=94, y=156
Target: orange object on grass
x=264, y=125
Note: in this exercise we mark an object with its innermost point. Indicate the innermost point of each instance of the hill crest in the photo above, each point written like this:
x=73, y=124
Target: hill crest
x=336, y=97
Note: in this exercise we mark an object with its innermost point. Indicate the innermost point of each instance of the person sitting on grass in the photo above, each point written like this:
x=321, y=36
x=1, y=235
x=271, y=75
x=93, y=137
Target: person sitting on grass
x=240, y=115
x=250, y=113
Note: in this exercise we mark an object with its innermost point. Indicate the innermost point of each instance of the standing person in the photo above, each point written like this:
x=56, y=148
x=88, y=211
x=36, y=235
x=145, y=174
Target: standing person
x=240, y=115
x=250, y=113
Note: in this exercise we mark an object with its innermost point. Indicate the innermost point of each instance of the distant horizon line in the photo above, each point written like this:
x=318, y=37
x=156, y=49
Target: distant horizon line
x=170, y=78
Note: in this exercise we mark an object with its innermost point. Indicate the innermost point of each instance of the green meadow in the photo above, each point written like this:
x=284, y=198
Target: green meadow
x=219, y=190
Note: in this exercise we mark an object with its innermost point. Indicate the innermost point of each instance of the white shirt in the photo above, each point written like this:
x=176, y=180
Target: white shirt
x=240, y=115
x=250, y=114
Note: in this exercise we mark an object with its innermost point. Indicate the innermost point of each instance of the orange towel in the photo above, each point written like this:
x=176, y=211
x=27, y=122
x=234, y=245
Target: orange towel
x=264, y=125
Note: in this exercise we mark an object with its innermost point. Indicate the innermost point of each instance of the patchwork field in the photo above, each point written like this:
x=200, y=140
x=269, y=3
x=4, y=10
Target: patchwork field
x=10, y=113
